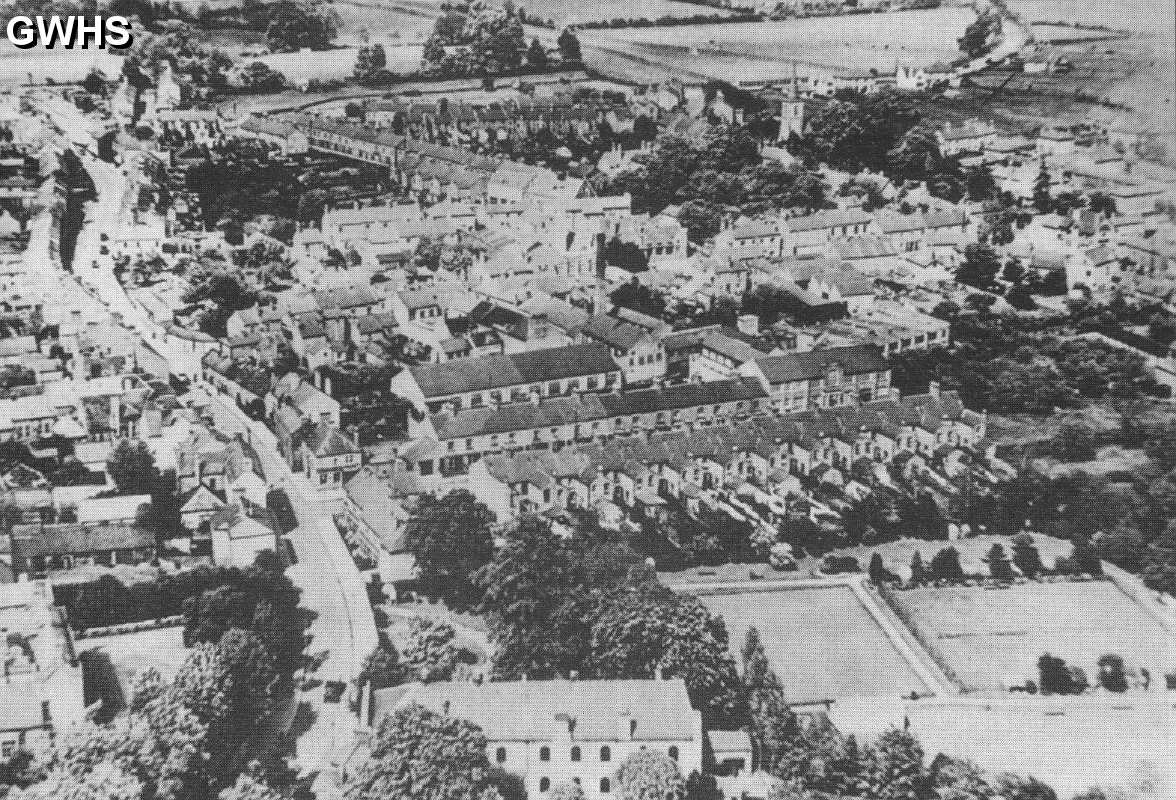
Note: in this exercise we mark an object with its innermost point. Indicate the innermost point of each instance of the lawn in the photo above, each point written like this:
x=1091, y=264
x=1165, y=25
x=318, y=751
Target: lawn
x=992, y=638
x=131, y=653
x=821, y=642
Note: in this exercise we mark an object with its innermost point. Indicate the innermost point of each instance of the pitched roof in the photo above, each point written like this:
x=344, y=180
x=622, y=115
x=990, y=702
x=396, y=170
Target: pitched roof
x=821, y=220
x=659, y=710
x=854, y=360
x=496, y=371
x=548, y=412
x=30, y=541
x=684, y=395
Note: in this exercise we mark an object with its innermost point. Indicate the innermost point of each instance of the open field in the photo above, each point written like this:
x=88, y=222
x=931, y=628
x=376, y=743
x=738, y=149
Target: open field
x=59, y=65
x=1142, y=16
x=992, y=638
x=131, y=653
x=570, y=12
x=1071, y=743
x=821, y=642
x=858, y=42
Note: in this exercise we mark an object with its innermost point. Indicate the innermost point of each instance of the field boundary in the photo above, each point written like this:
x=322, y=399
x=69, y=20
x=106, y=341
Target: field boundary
x=1129, y=586
x=906, y=617
x=936, y=685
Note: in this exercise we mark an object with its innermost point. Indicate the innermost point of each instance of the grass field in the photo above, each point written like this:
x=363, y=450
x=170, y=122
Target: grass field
x=993, y=637
x=131, y=653
x=848, y=42
x=821, y=642
x=570, y=12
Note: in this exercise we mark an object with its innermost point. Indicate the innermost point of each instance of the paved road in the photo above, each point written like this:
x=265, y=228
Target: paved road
x=331, y=587
x=344, y=629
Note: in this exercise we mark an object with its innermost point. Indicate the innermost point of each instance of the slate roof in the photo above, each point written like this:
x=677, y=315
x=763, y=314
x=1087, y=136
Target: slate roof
x=496, y=371
x=854, y=360
x=30, y=541
x=541, y=710
x=828, y=219
x=549, y=412
x=685, y=395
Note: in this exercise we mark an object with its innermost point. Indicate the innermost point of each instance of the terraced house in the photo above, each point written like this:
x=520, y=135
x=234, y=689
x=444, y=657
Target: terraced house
x=822, y=378
x=767, y=458
x=491, y=380
x=449, y=443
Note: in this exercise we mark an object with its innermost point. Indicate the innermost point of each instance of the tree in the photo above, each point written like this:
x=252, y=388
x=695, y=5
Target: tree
x=431, y=652
x=566, y=790
x=998, y=562
x=958, y=779
x=95, y=82
x=379, y=58
x=919, y=574
x=772, y=722
x=569, y=47
x=251, y=676
x=1112, y=675
x=1015, y=787
x=979, y=267
x=450, y=539
x=382, y=667
x=1042, y=198
x=1026, y=556
x=1020, y=298
x=980, y=34
x=945, y=566
x=295, y=24
x=259, y=77
x=1074, y=441
x=248, y=787
x=1085, y=557
x=104, y=782
x=1013, y=271
x=1162, y=328
x=105, y=601
x=878, y=572
x=132, y=467
x=639, y=634
x=537, y=55
x=894, y=768
x=418, y=754
x=980, y=183
x=701, y=218
x=650, y=775
x=1055, y=676
x=363, y=63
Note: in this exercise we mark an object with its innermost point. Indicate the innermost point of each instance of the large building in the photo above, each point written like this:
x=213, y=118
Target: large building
x=495, y=379
x=42, y=687
x=822, y=378
x=564, y=731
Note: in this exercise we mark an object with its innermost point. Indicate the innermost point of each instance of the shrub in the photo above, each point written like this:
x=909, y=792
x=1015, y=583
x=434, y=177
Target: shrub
x=835, y=565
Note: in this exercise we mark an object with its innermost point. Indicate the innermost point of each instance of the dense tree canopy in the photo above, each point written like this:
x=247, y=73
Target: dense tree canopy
x=418, y=754
x=450, y=539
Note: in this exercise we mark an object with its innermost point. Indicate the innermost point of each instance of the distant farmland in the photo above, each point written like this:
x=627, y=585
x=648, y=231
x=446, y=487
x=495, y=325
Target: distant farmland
x=856, y=42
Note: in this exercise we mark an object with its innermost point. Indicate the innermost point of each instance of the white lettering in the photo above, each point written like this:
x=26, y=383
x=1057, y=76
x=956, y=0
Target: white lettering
x=21, y=32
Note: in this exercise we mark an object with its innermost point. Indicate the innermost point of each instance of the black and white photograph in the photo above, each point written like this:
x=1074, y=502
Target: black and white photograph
x=607, y=400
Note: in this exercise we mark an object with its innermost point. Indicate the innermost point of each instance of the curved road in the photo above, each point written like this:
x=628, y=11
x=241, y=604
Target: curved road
x=344, y=629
